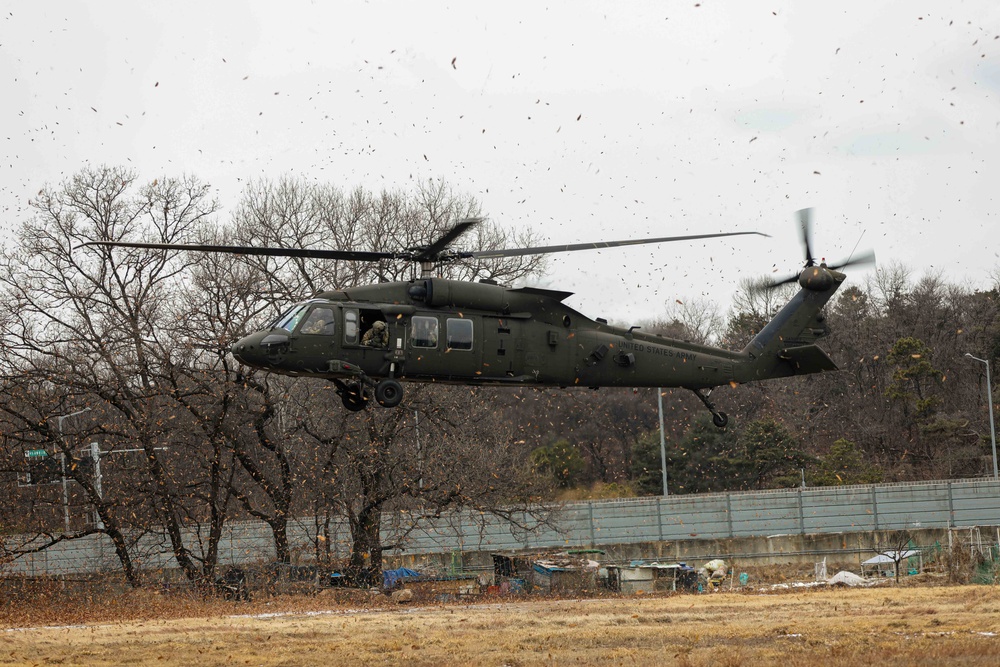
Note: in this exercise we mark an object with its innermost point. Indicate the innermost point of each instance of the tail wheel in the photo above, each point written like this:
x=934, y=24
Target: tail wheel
x=354, y=397
x=720, y=419
x=388, y=393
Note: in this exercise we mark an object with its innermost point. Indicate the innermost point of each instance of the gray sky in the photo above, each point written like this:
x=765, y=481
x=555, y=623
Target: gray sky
x=583, y=121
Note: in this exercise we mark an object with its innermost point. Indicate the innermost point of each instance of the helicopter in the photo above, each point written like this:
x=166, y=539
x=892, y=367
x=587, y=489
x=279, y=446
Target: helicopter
x=367, y=340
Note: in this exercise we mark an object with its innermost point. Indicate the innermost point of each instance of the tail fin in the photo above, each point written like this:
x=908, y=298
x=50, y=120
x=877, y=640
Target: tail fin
x=786, y=346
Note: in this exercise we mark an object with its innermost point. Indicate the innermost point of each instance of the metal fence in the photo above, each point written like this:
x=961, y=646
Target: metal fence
x=847, y=509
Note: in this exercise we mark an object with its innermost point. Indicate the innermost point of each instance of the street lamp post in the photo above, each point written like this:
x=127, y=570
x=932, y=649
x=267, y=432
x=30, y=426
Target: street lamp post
x=989, y=397
x=62, y=455
x=663, y=444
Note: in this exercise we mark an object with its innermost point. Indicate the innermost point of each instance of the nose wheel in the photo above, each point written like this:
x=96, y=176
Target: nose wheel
x=720, y=419
x=389, y=393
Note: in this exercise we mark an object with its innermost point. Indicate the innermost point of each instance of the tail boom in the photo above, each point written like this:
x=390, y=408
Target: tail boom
x=786, y=346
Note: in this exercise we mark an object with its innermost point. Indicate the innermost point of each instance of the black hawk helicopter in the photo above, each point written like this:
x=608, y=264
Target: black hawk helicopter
x=368, y=339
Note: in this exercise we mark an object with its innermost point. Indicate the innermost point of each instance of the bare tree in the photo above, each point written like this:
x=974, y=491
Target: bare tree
x=93, y=327
x=894, y=546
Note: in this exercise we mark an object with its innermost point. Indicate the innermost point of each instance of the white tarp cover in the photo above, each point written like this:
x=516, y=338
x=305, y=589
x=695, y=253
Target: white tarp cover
x=848, y=579
x=890, y=557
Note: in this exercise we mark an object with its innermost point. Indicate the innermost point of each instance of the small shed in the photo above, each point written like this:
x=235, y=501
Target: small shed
x=565, y=571
x=510, y=572
x=564, y=574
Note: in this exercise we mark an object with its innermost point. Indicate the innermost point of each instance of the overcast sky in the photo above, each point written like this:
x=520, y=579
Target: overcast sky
x=582, y=121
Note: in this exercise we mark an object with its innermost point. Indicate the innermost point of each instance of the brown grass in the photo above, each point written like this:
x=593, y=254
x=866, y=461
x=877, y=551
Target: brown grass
x=890, y=625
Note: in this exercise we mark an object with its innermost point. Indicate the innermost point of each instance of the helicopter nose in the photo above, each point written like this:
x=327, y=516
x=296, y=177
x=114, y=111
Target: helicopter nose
x=259, y=349
x=235, y=348
x=241, y=350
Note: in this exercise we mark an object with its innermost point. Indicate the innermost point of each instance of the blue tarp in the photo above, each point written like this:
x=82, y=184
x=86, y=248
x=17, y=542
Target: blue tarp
x=391, y=577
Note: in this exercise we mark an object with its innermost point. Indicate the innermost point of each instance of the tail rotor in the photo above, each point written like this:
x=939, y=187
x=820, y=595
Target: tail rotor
x=813, y=275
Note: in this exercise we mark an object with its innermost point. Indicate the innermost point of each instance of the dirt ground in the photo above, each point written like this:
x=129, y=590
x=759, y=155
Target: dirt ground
x=796, y=626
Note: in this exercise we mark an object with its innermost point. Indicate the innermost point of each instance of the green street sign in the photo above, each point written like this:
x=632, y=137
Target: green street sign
x=36, y=453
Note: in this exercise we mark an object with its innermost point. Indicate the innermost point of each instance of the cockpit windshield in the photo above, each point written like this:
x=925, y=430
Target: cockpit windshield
x=290, y=319
x=320, y=321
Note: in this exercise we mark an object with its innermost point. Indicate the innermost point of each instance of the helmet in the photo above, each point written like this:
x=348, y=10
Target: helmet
x=379, y=325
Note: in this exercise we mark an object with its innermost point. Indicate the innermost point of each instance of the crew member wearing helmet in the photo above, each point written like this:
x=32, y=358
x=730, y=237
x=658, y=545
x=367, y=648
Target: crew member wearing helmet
x=377, y=336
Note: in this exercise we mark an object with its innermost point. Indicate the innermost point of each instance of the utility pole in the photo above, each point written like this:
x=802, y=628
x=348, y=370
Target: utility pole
x=989, y=397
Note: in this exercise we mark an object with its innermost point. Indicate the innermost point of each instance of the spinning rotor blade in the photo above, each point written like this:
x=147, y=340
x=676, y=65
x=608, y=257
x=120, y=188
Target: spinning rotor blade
x=805, y=226
x=863, y=258
x=543, y=250
x=359, y=255
x=772, y=284
x=429, y=253
x=433, y=251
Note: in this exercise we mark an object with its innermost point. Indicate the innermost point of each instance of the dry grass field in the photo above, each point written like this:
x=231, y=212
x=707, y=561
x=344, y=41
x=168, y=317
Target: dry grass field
x=957, y=625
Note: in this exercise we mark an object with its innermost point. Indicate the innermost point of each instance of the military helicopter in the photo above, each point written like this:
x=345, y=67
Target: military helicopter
x=369, y=339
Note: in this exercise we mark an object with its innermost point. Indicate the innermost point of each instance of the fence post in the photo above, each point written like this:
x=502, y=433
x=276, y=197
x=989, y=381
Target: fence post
x=951, y=507
x=875, y=507
x=802, y=515
x=590, y=512
x=659, y=520
x=729, y=514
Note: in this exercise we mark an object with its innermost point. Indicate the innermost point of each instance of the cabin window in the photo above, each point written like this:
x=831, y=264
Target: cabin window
x=459, y=334
x=319, y=322
x=351, y=326
x=423, y=331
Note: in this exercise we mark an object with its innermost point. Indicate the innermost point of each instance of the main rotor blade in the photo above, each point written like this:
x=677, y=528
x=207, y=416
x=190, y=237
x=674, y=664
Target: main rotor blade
x=359, y=255
x=805, y=224
x=543, y=250
x=864, y=258
x=778, y=282
x=432, y=251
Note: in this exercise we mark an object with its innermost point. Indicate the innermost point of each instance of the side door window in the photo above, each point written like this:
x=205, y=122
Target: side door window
x=459, y=333
x=423, y=331
x=351, y=326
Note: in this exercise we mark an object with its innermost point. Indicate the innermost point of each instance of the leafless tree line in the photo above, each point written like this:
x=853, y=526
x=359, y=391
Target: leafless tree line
x=129, y=349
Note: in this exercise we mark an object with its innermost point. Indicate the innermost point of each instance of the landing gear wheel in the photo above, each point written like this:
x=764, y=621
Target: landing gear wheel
x=720, y=419
x=388, y=393
x=354, y=398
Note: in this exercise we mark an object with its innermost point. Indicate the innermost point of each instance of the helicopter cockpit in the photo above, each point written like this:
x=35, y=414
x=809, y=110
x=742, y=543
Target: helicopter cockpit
x=310, y=317
x=318, y=317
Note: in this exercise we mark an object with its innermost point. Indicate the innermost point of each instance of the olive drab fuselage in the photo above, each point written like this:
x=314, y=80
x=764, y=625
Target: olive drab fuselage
x=443, y=330
x=440, y=330
x=366, y=340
